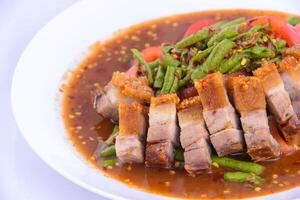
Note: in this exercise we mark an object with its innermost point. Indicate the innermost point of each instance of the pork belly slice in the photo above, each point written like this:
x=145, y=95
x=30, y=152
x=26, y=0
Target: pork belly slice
x=218, y=112
x=163, y=119
x=191, y=121
x=291, y=131
x=228, y=141
x=285, y=148
x=122, y=89
x=289, y=69
x=249, y=99
x=131, y=138
x=197, y=157
x=194, y=136
x=278, y=99
x=160, y=154
x=293, y=51
x=162, y=134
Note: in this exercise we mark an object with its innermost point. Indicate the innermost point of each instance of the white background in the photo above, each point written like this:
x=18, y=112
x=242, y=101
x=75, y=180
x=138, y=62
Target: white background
x=23, y=176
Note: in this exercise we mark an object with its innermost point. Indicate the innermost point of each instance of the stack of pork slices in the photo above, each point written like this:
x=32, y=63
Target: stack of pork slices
x=228, y=115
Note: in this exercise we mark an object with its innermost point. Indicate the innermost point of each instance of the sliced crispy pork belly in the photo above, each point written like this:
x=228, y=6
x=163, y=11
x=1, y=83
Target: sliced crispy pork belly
x=278, y=99
x=219, y=115
x=162, y=134
x=293, y=51
x=289, y=69
x=122, y=89
x=291, y=131
x=194, y=136
x=249, y=99
x=131, y=139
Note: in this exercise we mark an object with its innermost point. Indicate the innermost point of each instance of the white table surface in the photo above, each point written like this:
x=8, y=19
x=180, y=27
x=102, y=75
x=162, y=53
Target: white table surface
x=23, y=176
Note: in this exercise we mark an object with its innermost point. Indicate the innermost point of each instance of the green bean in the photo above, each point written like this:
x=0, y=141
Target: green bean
x=202, y=54
x=113, y=135
x=233, y=22
x=242, y=177
x=293, y=21
x=280, y=45
x=168, y=60
x=238, y=165
x=258, y=52
x=159, y=78
x=108, y=151
x=142, y=61
x=179, y=155
x=230, y=63
x=168, y=80
x=167, y=49
x=201, y=35
x=154, y=64
x=226, y=33
x=217, y=55
x=109, y=163
x=235, y=68
x=174, y=87
x=183, y=82
x=198, y=73
x=219, y=24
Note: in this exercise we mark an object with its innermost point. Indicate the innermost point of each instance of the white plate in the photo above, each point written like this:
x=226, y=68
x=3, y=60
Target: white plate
x=55, y=49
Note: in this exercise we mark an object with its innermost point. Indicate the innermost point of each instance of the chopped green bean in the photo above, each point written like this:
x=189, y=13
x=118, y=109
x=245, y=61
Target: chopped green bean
x=154, y=64
x=217, y=55
x=202, y=54
x=258, y=52
x=179, y=155
x=233, y=22
x=242, y=177
x=109, y=163
x=238, y=165
x=142, y=61
x=183, y=82
x=168, y=60
x=201, y=35
x=294, y=21
x=226, y=33
x=219, y=24
x=166, y=49
x=113, y=135
x=168, y=80
x=230, y=63
x=174, y=87
x=108, y=151
x=199, y=73
x=235, y=68
x=159, y=78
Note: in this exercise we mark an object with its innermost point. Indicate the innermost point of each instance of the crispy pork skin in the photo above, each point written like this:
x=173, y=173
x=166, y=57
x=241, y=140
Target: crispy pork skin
x=123, y=88
x=131, y=139
x=162, y=134
x=249, y=99
x=219, y=115
x=194, y=136
x=278, y=99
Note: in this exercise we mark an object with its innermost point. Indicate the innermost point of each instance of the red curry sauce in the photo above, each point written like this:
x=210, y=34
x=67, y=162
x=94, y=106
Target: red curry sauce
x=87, y=129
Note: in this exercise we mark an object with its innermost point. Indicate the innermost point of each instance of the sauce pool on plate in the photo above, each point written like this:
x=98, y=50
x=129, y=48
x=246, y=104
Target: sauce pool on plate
x=88, y=130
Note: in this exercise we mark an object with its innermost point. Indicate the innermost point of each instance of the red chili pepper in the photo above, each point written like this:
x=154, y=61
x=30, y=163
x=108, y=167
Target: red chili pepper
x=198, y=26
x=279, y=27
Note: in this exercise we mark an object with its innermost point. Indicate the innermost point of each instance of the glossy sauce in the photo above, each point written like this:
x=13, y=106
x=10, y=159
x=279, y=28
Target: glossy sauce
x=87, y=129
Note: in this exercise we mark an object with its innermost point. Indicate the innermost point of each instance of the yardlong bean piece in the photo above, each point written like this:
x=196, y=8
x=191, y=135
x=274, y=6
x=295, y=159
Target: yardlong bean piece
x=168, y=60
x=233, y=22
x=238, y=165
x=217, y=55
x=230, y=63
x=108, y=151
x=226, y=33
x=198, y=73
x=242, y=177
x=202, y=54
x=109, y=163
x=142, y=61
x=294, y=21
x=258, y=52
x=168, y=80
x=201, y=35
x=159, y=78
x=185, y=80
x=174, y=87
x=113, y=135
x=154, y=64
